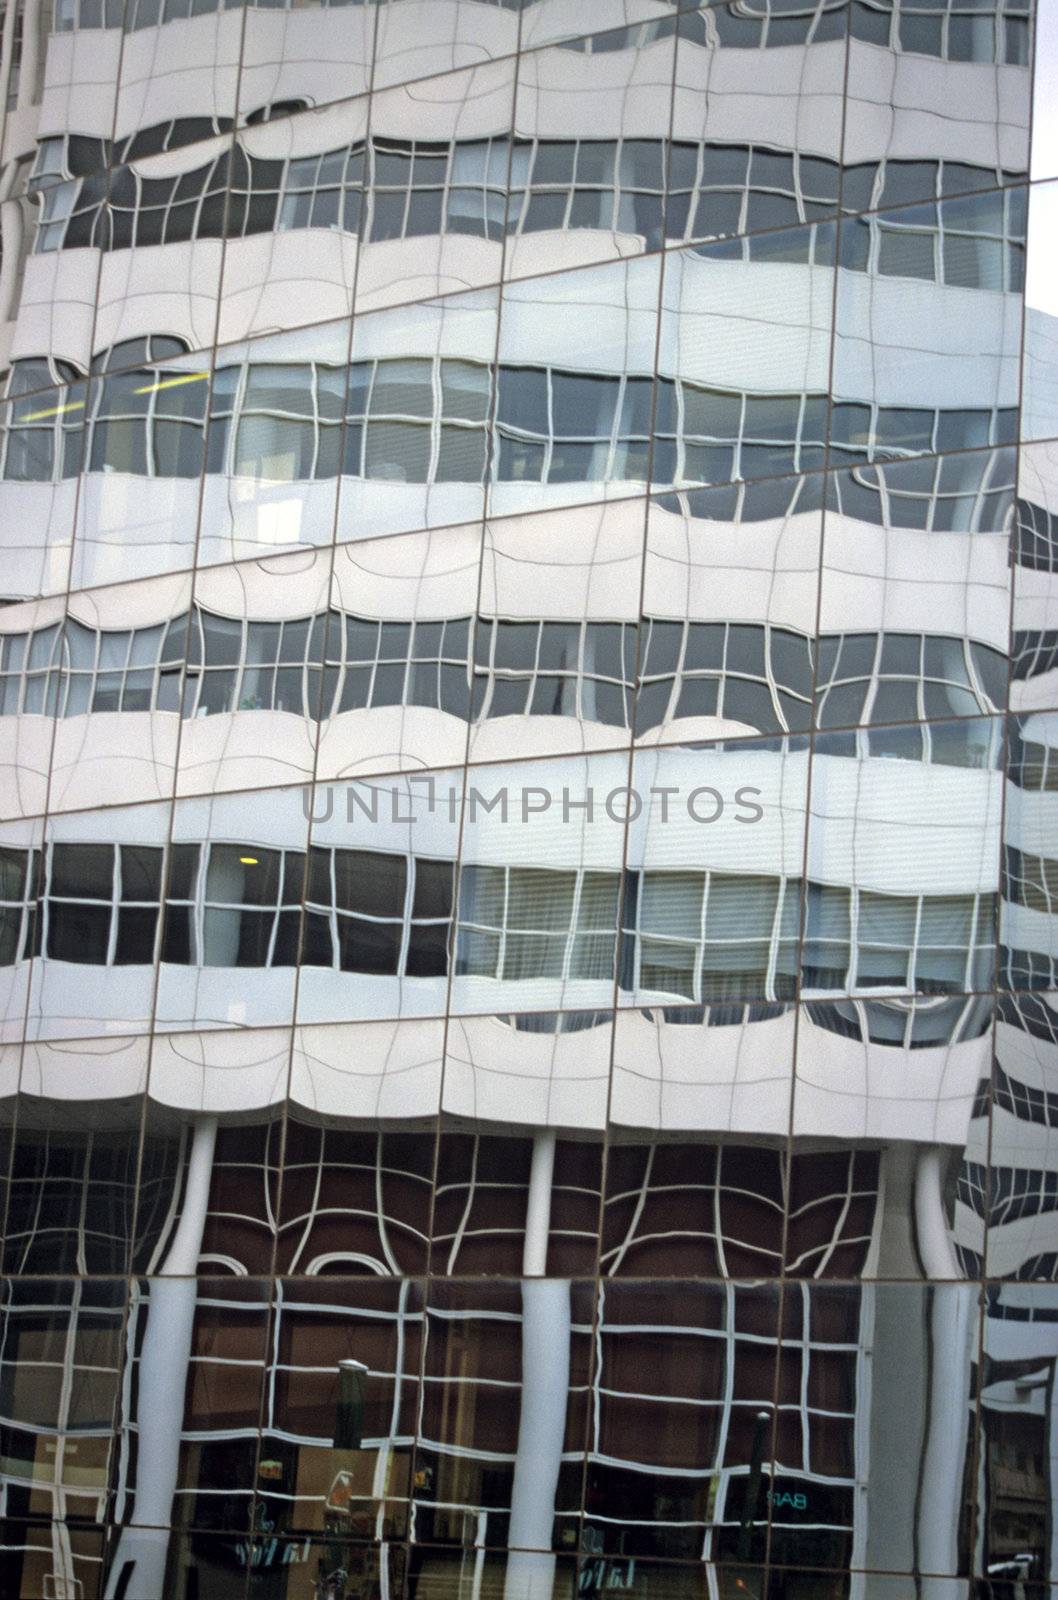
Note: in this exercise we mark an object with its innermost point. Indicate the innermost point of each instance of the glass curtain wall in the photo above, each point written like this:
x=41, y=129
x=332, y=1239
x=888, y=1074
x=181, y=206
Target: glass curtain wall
x=529, y=800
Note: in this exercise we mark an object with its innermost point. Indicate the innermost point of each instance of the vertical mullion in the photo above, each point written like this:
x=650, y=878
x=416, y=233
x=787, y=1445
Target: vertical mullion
x=115, y=902
x=610, y=469
x=332, y=909
x=197, y=908
x=406, y=912
x=774, y=938
x=699, y=945
x=549, y=432
x=912, y=959
x=277, y=909
x=574, y=920
x=501, y=955
x=436, y=418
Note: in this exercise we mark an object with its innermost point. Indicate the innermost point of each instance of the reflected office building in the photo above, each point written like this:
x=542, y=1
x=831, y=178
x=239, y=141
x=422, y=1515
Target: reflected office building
x=529, y=800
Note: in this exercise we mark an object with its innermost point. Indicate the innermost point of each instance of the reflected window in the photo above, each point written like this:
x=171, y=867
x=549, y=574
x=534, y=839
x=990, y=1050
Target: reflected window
x=905, y=1023
x=723, y=189
x=968, y=493
x=555, y=669
x=366, y=911
x=1035, y=543
x=417, y=421
x=321, y=191
x=425, y=419
x=1030, y=880
x=354, y=1202
x=744, y=673
x=252, y=906
x=101, y=903
x=371, y=663
x=906, y=677
x=951, y=29
x=698, y=1209
x=650, y=189
x=430, y=188
x=860, y=940
x=19, y=891
x=290, y=423
x=43, y=435
x=74, y=1195
x=694, y=937
x=684, y=1403
x=518, y=923
x=1025, y=1101
x=967, y=241
x=871, y=432
x=374, y=913
x=1034, y=651
x=61, y=1355
x=1007, y=1194
x=1031, y=764
x=331, y=663
x=710, y=935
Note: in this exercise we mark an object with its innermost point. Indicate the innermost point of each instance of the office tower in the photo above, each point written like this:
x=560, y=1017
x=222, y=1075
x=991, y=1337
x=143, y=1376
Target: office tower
x=529, y=839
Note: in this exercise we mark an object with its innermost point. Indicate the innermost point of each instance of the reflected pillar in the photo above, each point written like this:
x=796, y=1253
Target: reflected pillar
x=952, y=1320
x=546, y=1332
x=138, y=1571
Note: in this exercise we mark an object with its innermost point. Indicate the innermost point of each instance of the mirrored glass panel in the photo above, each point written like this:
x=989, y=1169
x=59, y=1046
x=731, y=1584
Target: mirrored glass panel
x=380, y=898
x=528, y=935
x=1039, y=404
x=712, y=900
x=99, y=892
x=76, y=1201
x=43, y=441
x=590, y=153
x=729, y=611
x=743, y=358
x=273, y=444
x=339, y=1420
x=234, y=887
x=61, y=1358
x=417, y=38
x=504, y=1465
x=437, y=174
x=144, y=451
x=1014, y=1420
x=927, y=329
x=397, y=673
x=297, y=56
x=418, y=403
x=574, y=403
x=555, y=638
x=1044, y=130
x=252, y=649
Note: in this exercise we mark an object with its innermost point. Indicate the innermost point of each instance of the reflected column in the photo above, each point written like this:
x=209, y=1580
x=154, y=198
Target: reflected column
x=952, y=1318
x=138, y=1572
x=546, y=1332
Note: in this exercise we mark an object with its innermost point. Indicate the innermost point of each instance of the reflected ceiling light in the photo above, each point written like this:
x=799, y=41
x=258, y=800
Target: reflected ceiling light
x=52, y=411
x=172, y=383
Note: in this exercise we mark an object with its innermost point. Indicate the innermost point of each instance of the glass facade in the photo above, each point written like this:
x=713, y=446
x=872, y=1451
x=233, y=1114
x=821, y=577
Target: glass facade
x=529, y=800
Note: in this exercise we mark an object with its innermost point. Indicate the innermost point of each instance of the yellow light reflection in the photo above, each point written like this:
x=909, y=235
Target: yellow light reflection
x=52, y=411
x=172, y=383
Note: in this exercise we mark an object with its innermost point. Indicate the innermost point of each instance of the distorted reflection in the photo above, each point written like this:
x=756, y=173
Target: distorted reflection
x=528, y=772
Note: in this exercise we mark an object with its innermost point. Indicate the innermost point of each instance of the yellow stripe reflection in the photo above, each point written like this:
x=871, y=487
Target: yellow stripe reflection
x=173, y=383
x=52, y=411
